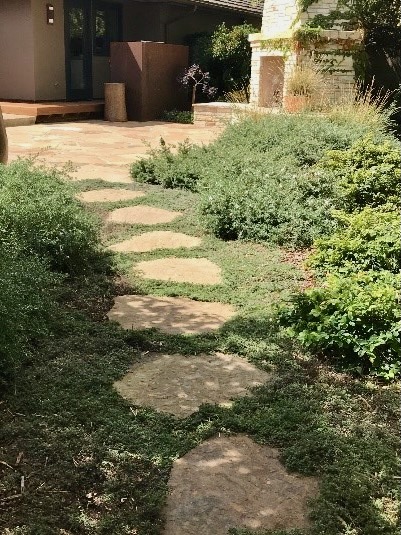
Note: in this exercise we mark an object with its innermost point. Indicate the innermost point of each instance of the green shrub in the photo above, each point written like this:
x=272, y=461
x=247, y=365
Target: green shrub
x=177, y=116
x=354, y=318
x=180, y=169
x=39, y=213
x=256, y=186
x=275, y=207
x=367, y=174
x=366, y=240
x=226, y=55
x=27, y=304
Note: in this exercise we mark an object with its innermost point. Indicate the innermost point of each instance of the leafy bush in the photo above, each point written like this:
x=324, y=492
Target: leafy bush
x=226, y=55
x=279, y=207
x=253, y=179
x=368, y=174
x=27, y=303
x=177, y=116
x=354, y=318
x=366, y=240
x=256, y=186
x=39, y=213
x=180, y=169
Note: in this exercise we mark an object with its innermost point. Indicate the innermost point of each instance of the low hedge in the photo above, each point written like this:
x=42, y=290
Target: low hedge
x=45, y=236
x=354, y=318
x=252, y=179
x=39, y=215
x=365, y=240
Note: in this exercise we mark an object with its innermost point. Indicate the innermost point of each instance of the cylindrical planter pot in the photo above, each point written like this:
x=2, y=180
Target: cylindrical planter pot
x=3, y=141
x=295, y=103
x=114, y=102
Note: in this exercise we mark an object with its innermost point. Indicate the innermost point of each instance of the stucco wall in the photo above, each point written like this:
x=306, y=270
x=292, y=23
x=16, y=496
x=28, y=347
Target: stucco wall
x=17, y=79
x=49, y=51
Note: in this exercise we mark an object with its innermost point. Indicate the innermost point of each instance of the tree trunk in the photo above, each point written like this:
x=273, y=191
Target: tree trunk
x=193, y=95
x=3, y=140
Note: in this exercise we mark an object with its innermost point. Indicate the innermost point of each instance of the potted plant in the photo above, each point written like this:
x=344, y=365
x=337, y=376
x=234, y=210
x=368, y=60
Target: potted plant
x=303, y=83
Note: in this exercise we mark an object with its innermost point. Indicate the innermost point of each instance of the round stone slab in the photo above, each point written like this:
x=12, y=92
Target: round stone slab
x=109, y=173
x=109, y=195
x=142, y=215
x=229, y=482
x=159, y=239
x=193, y=270
x=179, y=384
x=169, y=314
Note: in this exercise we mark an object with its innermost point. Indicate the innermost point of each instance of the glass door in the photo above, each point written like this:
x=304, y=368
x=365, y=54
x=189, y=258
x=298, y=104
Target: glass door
x=78, y=33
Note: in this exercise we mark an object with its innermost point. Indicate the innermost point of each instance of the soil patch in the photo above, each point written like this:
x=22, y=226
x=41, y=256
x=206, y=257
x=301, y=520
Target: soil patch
x=169, y=314
x=159, y=239
x=193, y=270
x=109, y=195
x=229, y=482
x=102, y=172
x=142, y=215
x=179, y=385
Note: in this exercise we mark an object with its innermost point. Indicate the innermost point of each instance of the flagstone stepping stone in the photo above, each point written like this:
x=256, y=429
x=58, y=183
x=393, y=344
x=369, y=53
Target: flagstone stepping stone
x=159, y=239
x=193, y=270
x=142, y=215
x=229, y=482
x=176, y=315
x=109, y=195
x=179, y=385
x=108, y=173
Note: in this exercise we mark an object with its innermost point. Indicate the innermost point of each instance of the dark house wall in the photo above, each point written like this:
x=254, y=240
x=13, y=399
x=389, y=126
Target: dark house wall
x=173, y=23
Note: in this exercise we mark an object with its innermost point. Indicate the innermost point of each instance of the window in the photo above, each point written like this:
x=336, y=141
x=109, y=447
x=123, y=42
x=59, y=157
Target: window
x=106, y=27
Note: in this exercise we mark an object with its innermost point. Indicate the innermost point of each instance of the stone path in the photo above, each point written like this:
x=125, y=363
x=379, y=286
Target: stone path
x=173, y=315
x=193, y=270
x=158, y=239
x=232, y=482
x=109, y=195
x=226, y=481
x=179, y=385
x=142, y=215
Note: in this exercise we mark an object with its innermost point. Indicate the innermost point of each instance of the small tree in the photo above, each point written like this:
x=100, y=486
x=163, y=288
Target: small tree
x=196, y=79
x=226, y=55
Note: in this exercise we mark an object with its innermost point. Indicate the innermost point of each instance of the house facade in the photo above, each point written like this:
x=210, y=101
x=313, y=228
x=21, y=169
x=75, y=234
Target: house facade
x=60, y=49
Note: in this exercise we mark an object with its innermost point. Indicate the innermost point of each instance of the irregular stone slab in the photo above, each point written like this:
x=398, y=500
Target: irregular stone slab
x=142, y=215
x=231, y=482
x=179, y=384
x=159, y=239
x=193, y=270
x=169, y=314
x=109, y=195
x=108, y=173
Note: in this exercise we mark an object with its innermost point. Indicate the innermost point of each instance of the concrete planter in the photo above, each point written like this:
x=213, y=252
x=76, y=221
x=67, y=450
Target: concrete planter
x=3, y=140
x=295, y=103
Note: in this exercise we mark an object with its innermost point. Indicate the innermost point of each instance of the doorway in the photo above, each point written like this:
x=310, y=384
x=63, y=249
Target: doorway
x=271, y=81
x=90, y=26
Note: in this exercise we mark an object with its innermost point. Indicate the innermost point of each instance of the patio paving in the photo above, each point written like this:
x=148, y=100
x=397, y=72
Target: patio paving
x=100, y=149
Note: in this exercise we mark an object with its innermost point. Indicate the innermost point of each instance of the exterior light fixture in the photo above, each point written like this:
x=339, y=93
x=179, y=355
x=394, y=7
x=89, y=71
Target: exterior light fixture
x=49, y=13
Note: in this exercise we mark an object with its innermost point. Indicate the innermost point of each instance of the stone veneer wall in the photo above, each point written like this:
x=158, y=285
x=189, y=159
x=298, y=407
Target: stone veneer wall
x=281, y=20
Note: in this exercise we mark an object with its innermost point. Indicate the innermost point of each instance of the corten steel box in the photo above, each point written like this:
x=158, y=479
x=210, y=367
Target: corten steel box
x=149, y=71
